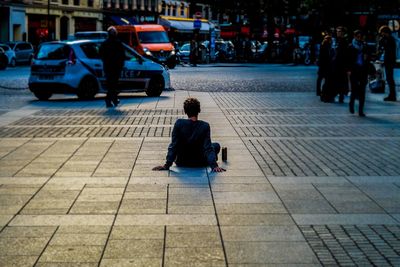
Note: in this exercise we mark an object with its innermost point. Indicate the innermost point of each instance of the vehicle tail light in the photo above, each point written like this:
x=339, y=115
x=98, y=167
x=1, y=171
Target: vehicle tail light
x=71, y=58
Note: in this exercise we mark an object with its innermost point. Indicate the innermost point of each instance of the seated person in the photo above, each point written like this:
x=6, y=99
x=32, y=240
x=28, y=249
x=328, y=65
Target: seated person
x=191, y=143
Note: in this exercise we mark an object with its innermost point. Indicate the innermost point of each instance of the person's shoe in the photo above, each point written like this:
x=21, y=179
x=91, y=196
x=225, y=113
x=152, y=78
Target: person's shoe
x=389, y=98
x=351, y=109
x=108, y=104
x=116, y=102
x=361, y=114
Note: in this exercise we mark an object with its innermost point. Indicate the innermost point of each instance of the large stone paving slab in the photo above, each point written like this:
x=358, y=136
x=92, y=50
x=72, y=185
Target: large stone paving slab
x=306, y=184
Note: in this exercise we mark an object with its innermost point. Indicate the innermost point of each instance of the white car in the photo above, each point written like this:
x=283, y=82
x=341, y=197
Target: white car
x=12, y=61
x=76, y=67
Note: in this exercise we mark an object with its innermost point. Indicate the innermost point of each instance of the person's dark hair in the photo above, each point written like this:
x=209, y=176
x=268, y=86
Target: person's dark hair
x=191, y=107
x=112, y=31
x=357, y=32
x=384, y=29
x=340, y=28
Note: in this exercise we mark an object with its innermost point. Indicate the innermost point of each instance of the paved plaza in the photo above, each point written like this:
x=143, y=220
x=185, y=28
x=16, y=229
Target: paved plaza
x=307, y=183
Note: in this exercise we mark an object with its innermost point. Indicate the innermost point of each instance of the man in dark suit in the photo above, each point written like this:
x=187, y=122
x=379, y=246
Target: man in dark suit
x=388, y=44
x=113, y=56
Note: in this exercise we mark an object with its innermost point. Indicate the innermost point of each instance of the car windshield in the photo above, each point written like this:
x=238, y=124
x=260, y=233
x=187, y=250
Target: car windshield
x=153, y=37
x=91, y=50
x=53, y=51
x=185, y=47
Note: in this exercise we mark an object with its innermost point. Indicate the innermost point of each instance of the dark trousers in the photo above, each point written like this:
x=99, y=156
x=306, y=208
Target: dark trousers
x=322, y=77
x=112, y=85
x=319, y=83
x=358, y=80
x=390, y=80
x=184, y=162
x=340, y=83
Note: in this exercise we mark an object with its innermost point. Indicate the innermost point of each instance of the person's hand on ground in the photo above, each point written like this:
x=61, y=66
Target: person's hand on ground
x=218, y=169
x=161, y=168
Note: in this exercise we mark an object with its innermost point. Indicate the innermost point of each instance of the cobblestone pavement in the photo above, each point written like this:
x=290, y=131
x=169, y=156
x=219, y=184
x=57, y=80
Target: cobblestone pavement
x=307, y=184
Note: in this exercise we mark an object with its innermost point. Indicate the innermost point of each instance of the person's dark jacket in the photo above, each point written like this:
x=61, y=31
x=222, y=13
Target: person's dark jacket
x=388, y=43
x=113, y=55
x=191, y=144
x=353, y=64
x=340, y=57
x=325, y=58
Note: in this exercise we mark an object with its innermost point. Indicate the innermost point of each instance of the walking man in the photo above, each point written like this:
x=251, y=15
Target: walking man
x=324, y=64
x=113, y=56
x=191, y=143
x=339, y=64
x=194, y=51
x=388, y=44
x=358, y=71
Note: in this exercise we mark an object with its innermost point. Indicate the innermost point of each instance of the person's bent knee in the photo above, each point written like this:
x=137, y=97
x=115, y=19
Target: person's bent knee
x=217, y=147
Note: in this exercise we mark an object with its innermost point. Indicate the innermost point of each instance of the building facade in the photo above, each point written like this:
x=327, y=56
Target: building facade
x=130, y=12
x=12, y=21
x=42, y=20
x=179, y=9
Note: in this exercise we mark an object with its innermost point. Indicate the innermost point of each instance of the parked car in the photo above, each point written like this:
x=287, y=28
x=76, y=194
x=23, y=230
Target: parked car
x=184, y=53
x=10, y=55
x=23, y=51
x=224, y=50
x=76, y=67
x=3, y=59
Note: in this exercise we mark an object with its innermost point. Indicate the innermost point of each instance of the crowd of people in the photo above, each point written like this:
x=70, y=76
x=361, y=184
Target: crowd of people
x=345, y=67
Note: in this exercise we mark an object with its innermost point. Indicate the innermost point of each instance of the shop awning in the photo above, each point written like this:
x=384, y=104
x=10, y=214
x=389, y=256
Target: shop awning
x=184, y=25
x=123, y=21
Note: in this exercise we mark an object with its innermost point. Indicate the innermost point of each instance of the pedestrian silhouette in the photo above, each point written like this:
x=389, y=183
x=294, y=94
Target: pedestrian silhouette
x=358, y=71
x=324, y=66
x=387, y=44
x=113, y=56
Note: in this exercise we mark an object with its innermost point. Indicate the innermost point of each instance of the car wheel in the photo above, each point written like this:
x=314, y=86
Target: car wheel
x=42, y=95
x=13, y=62
x=156, y=86
x=88, y=88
